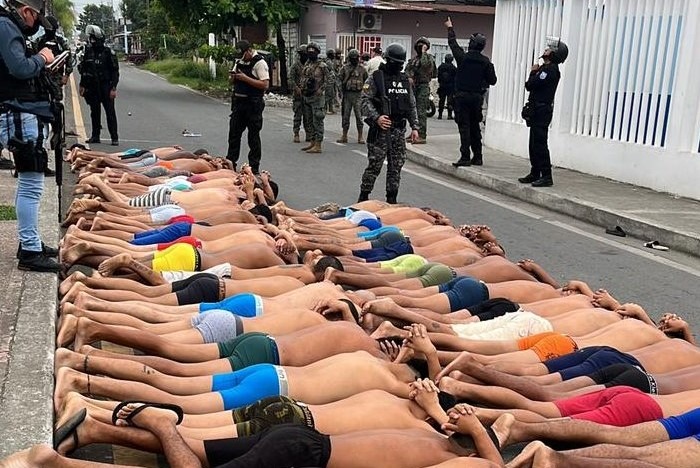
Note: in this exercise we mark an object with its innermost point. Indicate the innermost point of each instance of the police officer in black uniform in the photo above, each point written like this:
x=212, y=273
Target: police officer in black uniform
x=250, y=78
x=24, y=109
x=475, y=73
x=539, y=109
x=99, y=76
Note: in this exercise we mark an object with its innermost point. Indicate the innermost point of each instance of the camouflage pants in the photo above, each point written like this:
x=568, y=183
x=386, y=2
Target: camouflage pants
x=331, y=94
x=315, y=114
x=351, y=103
x=390, y=145
x=298, y=108
x=422, y=106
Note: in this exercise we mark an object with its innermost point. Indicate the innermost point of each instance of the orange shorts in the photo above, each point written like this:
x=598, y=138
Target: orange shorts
x=548, y=345
x=166, y=164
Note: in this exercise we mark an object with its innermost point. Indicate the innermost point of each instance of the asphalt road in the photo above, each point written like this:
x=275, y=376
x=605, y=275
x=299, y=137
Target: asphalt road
x=564, y=246
x=153, y=112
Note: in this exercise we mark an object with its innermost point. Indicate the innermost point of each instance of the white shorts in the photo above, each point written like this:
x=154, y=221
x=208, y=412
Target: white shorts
x=222, y=271
x=161, y=214
x=512, y=326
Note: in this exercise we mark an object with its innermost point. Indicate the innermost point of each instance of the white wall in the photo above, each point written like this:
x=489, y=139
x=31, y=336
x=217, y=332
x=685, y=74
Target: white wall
x=628, y=105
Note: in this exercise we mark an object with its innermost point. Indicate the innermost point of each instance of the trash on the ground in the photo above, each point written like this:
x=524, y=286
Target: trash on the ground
x=616, y=231
x=655, y=245
x=189, y=133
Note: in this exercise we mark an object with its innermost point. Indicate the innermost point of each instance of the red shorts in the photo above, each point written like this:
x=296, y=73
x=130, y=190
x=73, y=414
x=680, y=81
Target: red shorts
x=181, y=219
x=614, y=406
x=193, y=241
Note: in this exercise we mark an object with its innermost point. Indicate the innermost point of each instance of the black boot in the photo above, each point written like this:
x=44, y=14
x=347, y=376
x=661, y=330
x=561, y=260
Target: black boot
x=93, y=139
x=391, y=197
x=528, y=179
x=544, y=181
x=449, y=115
x=462, y=162
x=45, y=249
x=440, y=116
x=37, y=261
x=364, y=196
x=477, y=161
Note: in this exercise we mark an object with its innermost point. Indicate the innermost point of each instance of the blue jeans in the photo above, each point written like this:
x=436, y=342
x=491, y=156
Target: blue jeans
x=30, y=185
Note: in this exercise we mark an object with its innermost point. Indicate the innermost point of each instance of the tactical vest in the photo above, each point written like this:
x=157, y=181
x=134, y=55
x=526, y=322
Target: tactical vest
x=12, y=88
x=471, y=73
x=247, y=70
x=397, y=90
x=94, y=71
x=354, y=81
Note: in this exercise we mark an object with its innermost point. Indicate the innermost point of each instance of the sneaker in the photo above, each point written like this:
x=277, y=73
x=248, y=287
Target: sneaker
x=6, y=164
x=45, y=249
x=37, y=261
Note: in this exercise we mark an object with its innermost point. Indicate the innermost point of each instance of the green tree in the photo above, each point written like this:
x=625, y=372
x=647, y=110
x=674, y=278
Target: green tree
x=99, y=15
x=63, y=11
x=135, y=11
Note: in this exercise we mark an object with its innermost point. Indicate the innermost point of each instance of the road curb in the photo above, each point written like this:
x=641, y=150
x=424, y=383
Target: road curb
x=26, y=407
x=580, y=209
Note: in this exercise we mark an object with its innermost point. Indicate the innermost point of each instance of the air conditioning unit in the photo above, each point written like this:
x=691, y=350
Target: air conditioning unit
x=370, y=22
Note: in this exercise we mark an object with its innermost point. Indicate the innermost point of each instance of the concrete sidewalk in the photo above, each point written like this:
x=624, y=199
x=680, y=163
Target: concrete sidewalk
x=641, y=213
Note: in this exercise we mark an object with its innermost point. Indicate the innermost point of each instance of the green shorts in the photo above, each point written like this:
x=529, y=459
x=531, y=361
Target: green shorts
x=249, y=349
x=405, y=263
x=435, y=274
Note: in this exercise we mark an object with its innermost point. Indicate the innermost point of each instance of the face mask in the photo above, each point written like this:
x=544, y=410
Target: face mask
x=313, y=56
x=419, y=49
x=354, y=61
x=392, y=68
x=303, y=58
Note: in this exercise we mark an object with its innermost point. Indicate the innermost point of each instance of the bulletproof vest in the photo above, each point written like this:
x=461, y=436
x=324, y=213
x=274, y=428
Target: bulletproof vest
x=95, y=69
x=247, y=69
x=354, y=81
x=13, y=88
x=545, y=94
x=471, y=73
x=423, y=73
x=310, y=77
x=397, y=90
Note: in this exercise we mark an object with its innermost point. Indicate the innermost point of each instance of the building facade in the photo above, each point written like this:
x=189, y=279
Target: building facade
x=628, y=104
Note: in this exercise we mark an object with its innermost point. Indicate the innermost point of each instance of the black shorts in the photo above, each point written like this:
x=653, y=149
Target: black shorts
x=625, y=375
x=202, y=287
x=283, y=446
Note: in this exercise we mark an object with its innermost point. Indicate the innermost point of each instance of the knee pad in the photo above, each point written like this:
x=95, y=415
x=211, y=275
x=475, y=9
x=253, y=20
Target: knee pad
x=28, y=156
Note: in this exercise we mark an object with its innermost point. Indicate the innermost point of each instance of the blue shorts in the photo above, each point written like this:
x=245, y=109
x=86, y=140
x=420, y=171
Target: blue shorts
x=387, y=238
x=164, y=235
x=685, y=425
x=388, y=252
x=464, y=292
x=371, y=235
x=246, y=386
x=370, y=224
x=589, y=360
x=243, y=305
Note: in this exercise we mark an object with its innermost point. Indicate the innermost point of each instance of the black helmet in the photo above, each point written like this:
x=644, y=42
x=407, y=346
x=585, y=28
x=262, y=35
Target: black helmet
x=449, y=58
x=477, y=41
x=313, y=45
x=94, y=32
x=560, y=51
x=330, y=53
x=423, y=40
x=301, y=49
x=395, y=53
x=353, y=54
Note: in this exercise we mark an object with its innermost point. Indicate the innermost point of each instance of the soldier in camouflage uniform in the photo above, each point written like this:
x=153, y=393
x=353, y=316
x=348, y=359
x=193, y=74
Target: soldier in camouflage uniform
x=387, y=103
x=421, y=69
x=352, y=77
x=297, y=98
x=314, y=76
x=338, y=66
x=331, y=82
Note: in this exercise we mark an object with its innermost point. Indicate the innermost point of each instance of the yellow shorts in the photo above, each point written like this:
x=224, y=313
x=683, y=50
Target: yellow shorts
x=548, y=345
x=178, y=257
x=405, y=263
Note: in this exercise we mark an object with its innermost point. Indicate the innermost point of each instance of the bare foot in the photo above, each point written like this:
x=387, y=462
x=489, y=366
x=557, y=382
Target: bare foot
x=67, y=358
x=463, y=363
x=329, y=275
x=67, y=330
x=73, y=292
x=67, y=380
x=388, y=330
x=75, y=277
x=527, y=456
x=384, y=306
x=501, y=427
x=72, y=254
x=84, y=204
x=145, y=418
x=109, y=266
x=451, y=386
x=462, y=377
x=602, y=298
x=38, y=456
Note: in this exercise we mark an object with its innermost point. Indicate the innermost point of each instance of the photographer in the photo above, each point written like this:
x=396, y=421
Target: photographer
x=387, y=102
x=250, y=78
x=24, y=107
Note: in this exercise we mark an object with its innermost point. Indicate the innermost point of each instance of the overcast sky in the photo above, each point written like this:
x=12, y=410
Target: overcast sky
x=79, y=4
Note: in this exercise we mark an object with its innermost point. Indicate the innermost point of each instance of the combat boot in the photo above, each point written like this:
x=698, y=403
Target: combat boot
x=308, y=138
x=440, y=116
x=316, y=149
x=391, y=197
x=462, y=162
x=477, y=161
x=37, y=261
x=360, y=139
x=449, y=115
x=344, y=138
x=296, y=138
x=544, y=181
x=309, y=146
x=364, y=196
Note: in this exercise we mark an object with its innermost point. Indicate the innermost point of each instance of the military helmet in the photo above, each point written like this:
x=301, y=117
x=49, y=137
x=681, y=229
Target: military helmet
x=353, y=53
x=477, y=41
x=560, y=51
x=338, y=53
x=330, y=53
x=301, y=49
x=395, y=53
x=313, y=45
x=449, y=58
x=94, y=31
x=423, y=40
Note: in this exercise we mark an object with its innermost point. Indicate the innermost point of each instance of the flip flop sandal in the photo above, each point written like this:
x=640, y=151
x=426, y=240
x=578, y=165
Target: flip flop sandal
x=145, y=404
x=655, y=245
x=69, y=429
x=616, y=231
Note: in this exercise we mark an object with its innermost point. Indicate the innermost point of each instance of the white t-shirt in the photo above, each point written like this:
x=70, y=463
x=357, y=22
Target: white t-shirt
x=260, y=70
x=373, y=64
